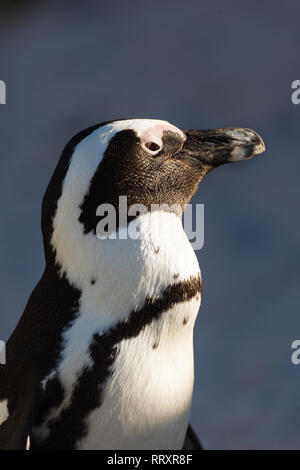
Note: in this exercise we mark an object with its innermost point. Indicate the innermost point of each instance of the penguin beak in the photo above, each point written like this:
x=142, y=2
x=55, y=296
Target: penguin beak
x=215, y=147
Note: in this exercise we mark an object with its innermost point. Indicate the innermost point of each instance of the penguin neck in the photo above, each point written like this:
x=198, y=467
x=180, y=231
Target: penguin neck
x=117, y=275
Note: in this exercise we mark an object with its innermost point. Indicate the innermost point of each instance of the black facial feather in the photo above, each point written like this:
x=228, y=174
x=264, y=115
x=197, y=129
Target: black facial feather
x=128, y=170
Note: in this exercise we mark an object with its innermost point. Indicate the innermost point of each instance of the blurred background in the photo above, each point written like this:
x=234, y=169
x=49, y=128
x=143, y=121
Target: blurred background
x=68, y=65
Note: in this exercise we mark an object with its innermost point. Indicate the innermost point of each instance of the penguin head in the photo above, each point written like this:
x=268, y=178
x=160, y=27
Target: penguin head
x=149, y=161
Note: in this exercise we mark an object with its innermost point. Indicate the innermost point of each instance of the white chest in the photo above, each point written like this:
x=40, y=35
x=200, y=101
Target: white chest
x=146, y=402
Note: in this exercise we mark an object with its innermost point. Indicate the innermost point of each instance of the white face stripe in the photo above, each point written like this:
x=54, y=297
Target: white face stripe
x=144, y=128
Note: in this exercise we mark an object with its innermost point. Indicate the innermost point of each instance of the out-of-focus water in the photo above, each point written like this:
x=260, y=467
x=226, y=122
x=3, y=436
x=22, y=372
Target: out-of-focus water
x=70, y=65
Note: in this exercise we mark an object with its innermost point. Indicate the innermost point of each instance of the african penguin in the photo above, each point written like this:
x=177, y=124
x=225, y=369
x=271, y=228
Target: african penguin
x=102, y=357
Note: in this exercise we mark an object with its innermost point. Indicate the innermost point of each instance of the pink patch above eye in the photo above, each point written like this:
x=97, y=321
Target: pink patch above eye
x=151, y=138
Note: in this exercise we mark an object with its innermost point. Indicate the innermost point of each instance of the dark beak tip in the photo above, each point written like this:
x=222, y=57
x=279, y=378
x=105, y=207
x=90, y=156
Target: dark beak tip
x=215, y=147
x=247, y=144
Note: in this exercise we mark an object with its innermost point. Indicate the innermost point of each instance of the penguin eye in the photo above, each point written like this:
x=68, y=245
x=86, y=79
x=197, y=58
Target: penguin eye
x=152, y=147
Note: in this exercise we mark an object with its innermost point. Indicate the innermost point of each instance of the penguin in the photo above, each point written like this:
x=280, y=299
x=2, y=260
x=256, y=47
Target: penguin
x=102, y=357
